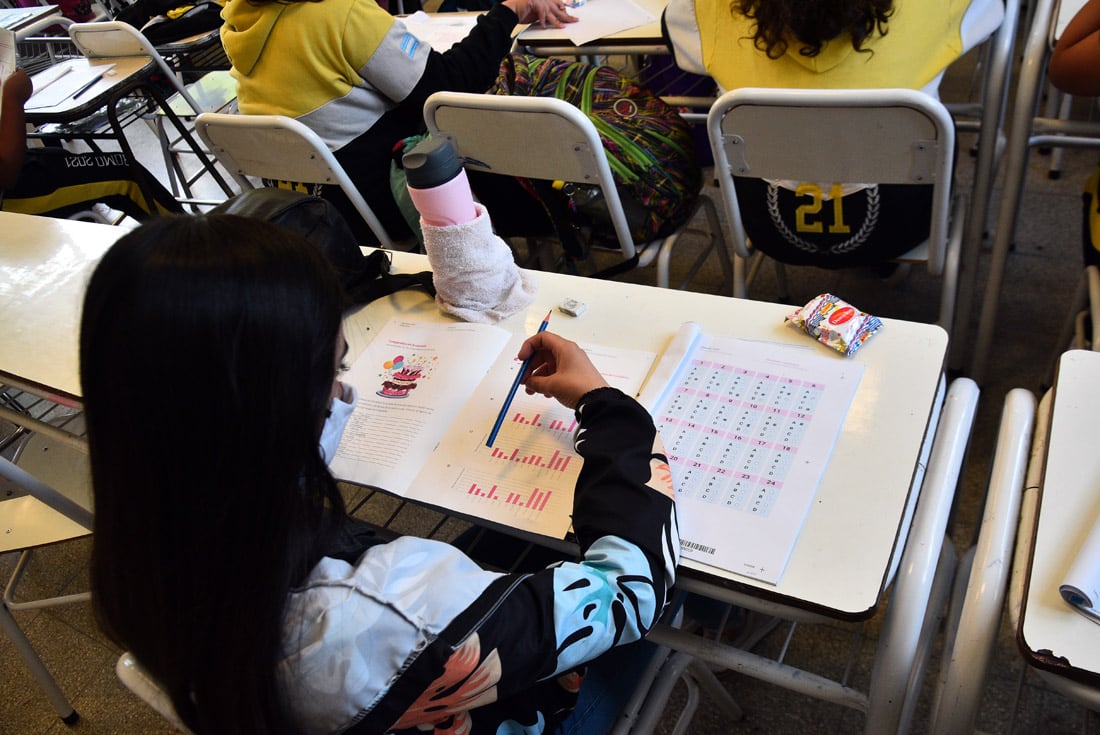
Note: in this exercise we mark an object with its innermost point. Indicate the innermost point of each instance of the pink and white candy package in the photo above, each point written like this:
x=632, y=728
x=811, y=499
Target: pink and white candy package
x=836, y=323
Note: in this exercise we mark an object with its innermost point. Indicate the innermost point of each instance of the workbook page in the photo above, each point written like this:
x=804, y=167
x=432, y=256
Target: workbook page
x=526, y=479
x=412, y=380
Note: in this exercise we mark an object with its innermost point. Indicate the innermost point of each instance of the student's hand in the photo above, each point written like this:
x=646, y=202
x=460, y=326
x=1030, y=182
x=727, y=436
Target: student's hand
x=17, y=89
x=559, y=369
x=543, y=12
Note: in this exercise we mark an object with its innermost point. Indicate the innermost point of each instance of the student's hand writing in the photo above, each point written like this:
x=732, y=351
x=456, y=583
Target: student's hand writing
x=544, y=12
x=18, y=88
x=559, y=369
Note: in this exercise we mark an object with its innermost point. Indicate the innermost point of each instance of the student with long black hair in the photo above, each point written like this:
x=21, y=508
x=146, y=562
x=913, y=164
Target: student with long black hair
x=223, y=556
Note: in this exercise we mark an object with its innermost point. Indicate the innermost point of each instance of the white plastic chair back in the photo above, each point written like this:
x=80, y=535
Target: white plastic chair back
x=882, y=136
x=114, y=38
x=282, y=149
x=535, y=137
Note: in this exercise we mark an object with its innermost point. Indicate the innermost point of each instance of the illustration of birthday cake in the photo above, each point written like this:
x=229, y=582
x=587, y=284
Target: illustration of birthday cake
x=400, y=382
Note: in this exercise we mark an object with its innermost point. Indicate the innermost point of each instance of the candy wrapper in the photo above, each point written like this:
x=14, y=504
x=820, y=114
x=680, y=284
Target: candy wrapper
x=836, y=323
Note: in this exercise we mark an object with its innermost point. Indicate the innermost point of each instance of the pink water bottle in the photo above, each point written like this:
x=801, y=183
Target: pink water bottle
x=438, y=184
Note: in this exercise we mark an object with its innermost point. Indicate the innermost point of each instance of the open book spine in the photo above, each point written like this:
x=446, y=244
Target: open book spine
x=667, y=370
x=1081, y=585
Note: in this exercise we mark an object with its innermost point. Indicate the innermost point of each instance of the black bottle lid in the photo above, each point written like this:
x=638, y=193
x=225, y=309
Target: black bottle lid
x=430, y=163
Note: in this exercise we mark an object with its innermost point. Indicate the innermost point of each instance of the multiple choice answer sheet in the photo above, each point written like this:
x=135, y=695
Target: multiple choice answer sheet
x=749, y=427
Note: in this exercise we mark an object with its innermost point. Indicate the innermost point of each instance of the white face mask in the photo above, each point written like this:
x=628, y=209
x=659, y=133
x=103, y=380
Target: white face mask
x=337, y=419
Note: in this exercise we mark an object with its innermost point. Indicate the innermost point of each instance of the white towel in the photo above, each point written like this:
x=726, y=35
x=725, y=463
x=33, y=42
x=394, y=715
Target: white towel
x=476, y=278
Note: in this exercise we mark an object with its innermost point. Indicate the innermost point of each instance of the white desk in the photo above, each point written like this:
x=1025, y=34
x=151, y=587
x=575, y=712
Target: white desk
x=843, y=573
x=16, y=19
x=845, y=554
x=1052, y=636
x=45, y=267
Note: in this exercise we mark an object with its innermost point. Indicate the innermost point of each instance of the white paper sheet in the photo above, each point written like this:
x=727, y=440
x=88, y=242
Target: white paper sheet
x=58, y=83
x=596, y=19
x=441, y=30
x=749, y=428
x=7, y=55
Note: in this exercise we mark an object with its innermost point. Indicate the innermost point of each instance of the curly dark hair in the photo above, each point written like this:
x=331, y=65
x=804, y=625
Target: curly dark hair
x=813, y=22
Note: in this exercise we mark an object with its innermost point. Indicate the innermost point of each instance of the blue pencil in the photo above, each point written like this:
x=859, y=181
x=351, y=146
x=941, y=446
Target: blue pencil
x=512, y=390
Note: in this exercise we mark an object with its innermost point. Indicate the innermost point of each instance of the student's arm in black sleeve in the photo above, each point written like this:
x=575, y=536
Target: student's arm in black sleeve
x=472, y=64
x=625, y=484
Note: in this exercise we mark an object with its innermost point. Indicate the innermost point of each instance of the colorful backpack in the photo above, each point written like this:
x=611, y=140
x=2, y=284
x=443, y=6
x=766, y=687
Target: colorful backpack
x=649, y=146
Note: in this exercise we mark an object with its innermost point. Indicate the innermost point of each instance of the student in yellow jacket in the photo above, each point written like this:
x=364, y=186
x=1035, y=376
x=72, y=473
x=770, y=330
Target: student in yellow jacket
x=829, y=44
x=358, y=77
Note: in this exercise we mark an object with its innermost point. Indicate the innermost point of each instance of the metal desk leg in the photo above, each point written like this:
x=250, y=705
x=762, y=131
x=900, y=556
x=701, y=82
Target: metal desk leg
x=927, y=567
x=1017, y=152
x=57, y=699
x=161, y=101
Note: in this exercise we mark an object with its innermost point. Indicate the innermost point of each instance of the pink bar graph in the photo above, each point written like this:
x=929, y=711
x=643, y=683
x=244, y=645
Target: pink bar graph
x=557, y=461
x=519, y=418
x=480, y=492
x=559, y=425
x=536, y=501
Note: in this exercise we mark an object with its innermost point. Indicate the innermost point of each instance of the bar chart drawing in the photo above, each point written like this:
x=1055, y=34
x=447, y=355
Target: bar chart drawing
x=558, y=461
x=535, y=500
x=532, y=421
x=567, y=427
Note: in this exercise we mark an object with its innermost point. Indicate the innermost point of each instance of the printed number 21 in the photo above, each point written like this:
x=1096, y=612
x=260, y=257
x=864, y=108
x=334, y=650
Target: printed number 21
x=806, y=211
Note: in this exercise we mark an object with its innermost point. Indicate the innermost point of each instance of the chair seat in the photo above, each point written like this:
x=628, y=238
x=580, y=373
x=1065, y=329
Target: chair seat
x=27, y=521
x=214, y=92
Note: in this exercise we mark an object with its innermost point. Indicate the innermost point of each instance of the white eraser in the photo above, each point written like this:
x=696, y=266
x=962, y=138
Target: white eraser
x=572, y=307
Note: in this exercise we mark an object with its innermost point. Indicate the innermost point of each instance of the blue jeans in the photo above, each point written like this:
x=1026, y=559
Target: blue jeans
x=607, y=688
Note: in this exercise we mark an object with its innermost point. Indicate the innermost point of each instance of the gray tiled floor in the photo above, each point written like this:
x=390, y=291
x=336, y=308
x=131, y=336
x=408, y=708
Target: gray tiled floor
x=1042, y=273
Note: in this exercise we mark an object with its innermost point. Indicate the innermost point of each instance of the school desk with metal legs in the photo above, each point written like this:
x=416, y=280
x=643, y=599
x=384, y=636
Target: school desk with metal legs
x=1059, y=508
x=111, y=96
x=880, y=512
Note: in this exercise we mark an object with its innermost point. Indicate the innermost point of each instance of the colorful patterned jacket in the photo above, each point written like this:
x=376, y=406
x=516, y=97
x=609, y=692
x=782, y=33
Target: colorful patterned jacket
x=416, y=633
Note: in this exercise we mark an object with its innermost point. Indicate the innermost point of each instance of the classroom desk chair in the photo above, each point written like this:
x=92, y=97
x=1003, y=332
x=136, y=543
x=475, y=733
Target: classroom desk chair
x=50, y=504
x=279, y=148
x=493, y=134
x=982, y=577
x=888, y=136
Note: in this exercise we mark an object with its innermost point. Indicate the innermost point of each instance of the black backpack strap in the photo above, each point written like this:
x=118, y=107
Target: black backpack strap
x=374, y=280
x=556, y=205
